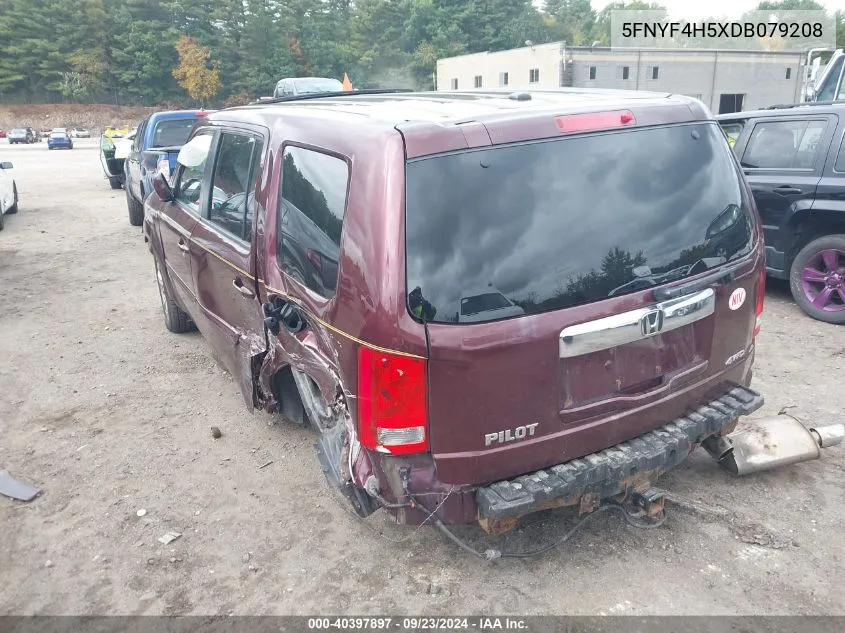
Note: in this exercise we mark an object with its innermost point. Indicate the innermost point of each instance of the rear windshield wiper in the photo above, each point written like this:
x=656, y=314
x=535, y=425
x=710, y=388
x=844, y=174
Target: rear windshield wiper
x=722, y=276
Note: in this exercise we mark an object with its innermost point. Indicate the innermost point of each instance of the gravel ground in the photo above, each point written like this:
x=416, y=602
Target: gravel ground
x=110, y=415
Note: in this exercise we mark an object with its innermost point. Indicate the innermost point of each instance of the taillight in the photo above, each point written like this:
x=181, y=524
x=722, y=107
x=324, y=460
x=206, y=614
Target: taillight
x=594, y=121
x=761, y=297
x=392, y=402
x=163, y=166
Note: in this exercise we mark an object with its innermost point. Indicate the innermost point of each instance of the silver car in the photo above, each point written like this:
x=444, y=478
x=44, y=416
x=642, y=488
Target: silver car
x=294, y=86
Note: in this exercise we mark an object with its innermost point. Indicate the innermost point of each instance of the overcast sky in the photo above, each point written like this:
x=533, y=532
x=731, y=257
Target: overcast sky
x=729, y=8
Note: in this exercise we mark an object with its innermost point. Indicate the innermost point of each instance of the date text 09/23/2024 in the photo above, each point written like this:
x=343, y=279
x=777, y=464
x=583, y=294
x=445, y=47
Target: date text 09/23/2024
x=417, y=624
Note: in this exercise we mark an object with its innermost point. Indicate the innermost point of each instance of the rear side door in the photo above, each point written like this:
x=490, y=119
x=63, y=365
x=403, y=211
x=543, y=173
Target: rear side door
x=783, y=159
x=179, y=217
x=133, y=162
x=223, y=265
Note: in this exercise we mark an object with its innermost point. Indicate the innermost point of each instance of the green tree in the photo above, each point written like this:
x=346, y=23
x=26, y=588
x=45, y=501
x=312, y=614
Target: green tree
x=572, y=21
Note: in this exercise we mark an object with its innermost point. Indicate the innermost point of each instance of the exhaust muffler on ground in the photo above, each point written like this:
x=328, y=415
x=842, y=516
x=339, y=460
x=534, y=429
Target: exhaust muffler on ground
x=772, y=442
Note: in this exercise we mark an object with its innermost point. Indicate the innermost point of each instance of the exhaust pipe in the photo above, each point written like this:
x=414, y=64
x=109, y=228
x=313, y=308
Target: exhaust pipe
x=767, y=443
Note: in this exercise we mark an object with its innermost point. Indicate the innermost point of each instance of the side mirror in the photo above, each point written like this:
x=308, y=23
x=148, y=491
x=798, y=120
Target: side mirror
x=150, y=158
x=5, y=165
x=162, y=188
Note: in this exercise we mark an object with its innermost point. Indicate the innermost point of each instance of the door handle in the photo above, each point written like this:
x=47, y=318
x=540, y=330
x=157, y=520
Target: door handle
x=238, y=283
x=182, y=246
x=786, y=190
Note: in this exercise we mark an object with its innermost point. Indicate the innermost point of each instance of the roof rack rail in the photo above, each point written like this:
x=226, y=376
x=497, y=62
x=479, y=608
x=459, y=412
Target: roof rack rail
x=324, y=95
x=784, y=106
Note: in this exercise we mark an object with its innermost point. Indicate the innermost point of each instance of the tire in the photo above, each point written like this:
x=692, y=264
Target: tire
x=14, y=208
x=175, y=319
x=1, y=222
x=136, y=210
x=114, y=182
x=320, y=416
x=817, y=279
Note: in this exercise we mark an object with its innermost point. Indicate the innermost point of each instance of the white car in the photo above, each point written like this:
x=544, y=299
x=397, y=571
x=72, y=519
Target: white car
x=487, y=304
x=80, y=132
x=8, y=192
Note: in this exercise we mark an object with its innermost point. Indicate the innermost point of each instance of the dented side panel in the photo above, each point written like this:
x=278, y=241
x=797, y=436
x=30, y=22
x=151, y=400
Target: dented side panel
x=326, y=349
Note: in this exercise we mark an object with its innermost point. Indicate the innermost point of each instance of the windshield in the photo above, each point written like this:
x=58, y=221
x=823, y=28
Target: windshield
x=18, y=130
x=559, y=223
x=309, y=86
x=172, y=133
x=57, y=135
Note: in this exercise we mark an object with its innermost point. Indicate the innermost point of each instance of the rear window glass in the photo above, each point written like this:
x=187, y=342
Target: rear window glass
x=172, y=133
x=554, y=224
x=307, y=86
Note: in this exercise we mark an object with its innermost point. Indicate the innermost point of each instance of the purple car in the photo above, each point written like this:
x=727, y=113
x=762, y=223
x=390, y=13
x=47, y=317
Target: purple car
x=485, y=304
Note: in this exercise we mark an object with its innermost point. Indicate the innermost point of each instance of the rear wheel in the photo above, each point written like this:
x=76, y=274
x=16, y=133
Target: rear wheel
x=1, y=221
x=136, y=210
x=175, y=319
x=817, y=279
x=114, y=182
x=320, y=415
x=331, y=445
x=14, y=207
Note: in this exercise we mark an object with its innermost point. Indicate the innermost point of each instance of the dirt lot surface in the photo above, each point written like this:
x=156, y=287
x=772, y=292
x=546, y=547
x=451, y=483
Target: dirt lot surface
x=110, y=415
x=92, y=116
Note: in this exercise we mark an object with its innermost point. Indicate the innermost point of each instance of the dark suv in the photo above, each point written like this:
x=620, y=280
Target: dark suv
x=485, y=303
x=794, y=159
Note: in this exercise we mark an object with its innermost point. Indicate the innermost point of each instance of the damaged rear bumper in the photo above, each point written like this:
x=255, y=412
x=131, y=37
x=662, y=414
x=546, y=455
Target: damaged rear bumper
x=629, y=467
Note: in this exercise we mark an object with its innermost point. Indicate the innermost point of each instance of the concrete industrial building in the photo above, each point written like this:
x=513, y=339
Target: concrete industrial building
x=726, y=81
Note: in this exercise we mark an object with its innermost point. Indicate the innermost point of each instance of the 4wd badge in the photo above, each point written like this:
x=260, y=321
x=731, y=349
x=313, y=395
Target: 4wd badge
x=737, y=299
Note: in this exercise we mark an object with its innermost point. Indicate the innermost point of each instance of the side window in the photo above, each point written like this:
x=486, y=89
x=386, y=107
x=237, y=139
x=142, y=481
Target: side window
x=191, y=170
x=312, y=206
x=784, y=145
x=840, y=158
x=233, y=184
x=826, y=90
x=808, y=148
x=136, y=142
x=732, y=130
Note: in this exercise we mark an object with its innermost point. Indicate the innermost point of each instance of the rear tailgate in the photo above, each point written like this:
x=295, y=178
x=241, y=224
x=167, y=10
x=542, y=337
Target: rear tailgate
x=578, y=233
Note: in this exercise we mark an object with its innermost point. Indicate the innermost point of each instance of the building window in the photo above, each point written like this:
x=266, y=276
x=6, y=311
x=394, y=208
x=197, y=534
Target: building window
x=729, y=103
x=625, y=71
x=454, y=84
x=534, y=75
x=654, y=71
x=788, y=73
x=477, y=81
x=503, y=80
x=592, y=72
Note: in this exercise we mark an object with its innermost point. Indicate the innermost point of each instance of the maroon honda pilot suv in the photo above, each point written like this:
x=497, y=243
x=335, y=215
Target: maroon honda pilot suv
x=485, y=303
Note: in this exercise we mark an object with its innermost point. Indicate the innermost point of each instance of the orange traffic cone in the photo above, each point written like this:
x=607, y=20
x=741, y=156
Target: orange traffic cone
x=347, y=85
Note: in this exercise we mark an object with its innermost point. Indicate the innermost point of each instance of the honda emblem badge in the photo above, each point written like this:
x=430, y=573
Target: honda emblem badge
x=651, y=322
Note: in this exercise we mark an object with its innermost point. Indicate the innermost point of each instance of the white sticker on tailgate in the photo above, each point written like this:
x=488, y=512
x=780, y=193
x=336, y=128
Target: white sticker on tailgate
x=737, y=299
